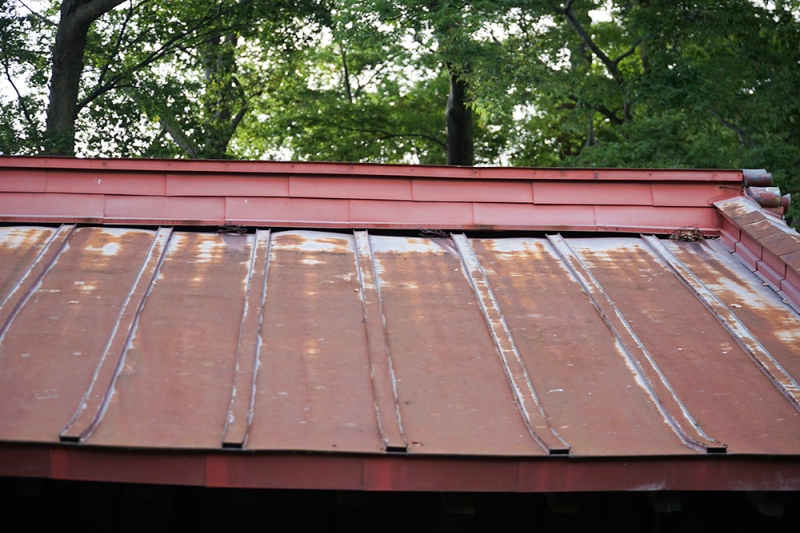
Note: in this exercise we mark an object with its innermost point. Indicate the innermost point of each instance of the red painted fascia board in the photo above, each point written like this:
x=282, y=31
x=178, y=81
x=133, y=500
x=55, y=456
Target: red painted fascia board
x=237, y=469
x=367, y=169
x=324, y=195
x=328, y=213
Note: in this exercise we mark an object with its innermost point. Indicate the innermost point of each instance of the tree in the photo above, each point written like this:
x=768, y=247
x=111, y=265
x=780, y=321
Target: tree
x=526, y=82
x=67, y=66
x=110, y=62
x=344, y=97
x=662, y=83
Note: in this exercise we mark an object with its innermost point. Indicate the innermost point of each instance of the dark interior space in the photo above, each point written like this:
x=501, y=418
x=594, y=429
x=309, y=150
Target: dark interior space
x=28, y=504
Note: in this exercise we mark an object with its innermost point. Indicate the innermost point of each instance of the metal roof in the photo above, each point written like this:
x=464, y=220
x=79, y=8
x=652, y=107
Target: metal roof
x=352, y=359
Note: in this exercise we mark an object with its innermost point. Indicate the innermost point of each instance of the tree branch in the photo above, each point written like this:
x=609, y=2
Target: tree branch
x=178, y=137
x=610, y=65
x=39, y=16
x=22, y=105
x=347, y=91
x=626, y=54
x=117, y=45
x=610, y=115
x=390, y=135
x=375, y=74
x=240, y=115
x=86, y=13
x=600, y=108
x=744, y=136
x=168, y=47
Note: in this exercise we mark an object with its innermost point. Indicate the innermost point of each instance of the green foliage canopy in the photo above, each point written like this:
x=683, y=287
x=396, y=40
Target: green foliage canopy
x=634, y=83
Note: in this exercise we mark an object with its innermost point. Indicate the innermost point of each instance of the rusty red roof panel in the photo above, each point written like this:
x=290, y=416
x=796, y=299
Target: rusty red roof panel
x=622, y=347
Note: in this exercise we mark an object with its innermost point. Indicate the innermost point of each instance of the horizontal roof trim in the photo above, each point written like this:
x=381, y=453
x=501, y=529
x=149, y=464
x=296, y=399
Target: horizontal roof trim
x=327, y=195
x=366, y=169
x=237, y=469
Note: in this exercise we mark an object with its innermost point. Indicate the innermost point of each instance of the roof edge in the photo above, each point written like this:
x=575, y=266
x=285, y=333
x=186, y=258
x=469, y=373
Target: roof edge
x=239, y=469
x=196, y=166
x=764, y=243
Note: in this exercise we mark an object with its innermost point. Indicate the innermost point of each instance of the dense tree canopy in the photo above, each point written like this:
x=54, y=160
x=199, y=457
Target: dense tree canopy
x=635, y=83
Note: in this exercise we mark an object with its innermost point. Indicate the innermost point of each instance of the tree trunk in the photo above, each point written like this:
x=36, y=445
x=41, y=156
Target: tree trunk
x=458, y=118
x=224, y=101
x=76, y=18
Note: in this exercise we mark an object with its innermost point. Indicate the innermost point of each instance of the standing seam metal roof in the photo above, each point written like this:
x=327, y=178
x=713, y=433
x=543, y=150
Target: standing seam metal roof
x=356, y=345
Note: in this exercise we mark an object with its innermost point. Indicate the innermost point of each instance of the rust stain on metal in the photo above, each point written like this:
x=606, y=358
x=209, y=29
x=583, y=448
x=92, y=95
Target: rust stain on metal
x=21, y=277
x=363, y=344
x=646, y=370
x=387, y=408
x=313, y=386
x=760, y=355
x=182, y=349
x=72, y=307
x=588, y=389
x=240, y=411
x=19, y=248
x=729, y=397
x=451, y=384
x=92, y=407
x=524, y=393
x=762, y=311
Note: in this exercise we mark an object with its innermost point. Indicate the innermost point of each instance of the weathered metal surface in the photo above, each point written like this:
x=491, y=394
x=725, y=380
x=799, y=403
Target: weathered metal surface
x=240, y=411
x=728, y=396
x=760, y=355
x=387, y=409
x=770, y=320
x=27, y=254
x=756, y=177
x=572, y=356
x=16, y=166
x=19, y=247
x=382, y=473
x=766, y=196
x=313, y=387
x=357, y=343
x=524, y=394
x=94, y=402
x=639, y=359
x=358, y=196
x=52, y=344
x=174, y=386
x=451, y=385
